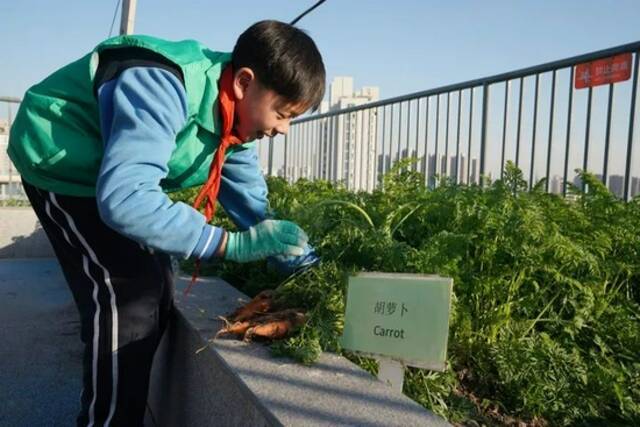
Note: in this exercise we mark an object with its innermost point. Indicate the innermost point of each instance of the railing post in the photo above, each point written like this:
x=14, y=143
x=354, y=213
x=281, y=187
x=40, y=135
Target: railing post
x=634, y=90
x=469, y=136
x=587, y=130
x=435, y=154
x=362, y=150
x=321, y=134
x=458, y=138
x=551, y=111
x=425, y=158
x=483, y=137
x=505, y=110
x=445, y=172
x=605, y=165
x=568, y=140
x=533, y=134
x=270, y=157
x=285, y=175
x=519, y=123
x=391, y=139
x=399, y=156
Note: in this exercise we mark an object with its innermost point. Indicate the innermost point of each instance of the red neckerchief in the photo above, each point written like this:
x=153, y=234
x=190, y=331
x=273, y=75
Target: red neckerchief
x=209, y=191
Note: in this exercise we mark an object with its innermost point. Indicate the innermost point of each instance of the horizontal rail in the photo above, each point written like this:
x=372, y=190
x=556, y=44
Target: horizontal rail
x=511, y=75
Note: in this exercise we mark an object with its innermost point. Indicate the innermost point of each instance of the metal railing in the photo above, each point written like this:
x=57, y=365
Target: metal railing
x=10, y=182
x=468, y=131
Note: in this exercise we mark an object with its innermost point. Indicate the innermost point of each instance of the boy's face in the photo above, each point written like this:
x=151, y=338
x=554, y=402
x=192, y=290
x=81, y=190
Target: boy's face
x=260, y=111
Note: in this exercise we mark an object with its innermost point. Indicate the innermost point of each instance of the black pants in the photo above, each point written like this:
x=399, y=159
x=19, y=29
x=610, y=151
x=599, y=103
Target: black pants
x=124, y=294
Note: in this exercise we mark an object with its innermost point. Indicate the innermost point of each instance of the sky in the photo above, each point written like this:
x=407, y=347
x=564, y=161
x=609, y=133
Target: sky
x=401, y=46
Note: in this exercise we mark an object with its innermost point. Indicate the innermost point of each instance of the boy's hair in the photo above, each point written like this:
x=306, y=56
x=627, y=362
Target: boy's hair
x=284, y=59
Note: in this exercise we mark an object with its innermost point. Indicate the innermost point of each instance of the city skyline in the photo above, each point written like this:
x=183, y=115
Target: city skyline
x=444, y=122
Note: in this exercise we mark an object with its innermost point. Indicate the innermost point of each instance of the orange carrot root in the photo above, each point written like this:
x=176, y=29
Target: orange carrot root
x=236, y=328
x=275, y=325
x=271, y=330
x=257, y=319
x=261, y=303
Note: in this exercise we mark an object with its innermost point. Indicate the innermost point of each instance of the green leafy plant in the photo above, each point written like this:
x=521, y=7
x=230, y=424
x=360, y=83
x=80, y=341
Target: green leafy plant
x=545, y=324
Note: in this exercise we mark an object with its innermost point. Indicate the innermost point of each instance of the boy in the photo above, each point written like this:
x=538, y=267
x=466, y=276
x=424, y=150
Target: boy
x=100, y=141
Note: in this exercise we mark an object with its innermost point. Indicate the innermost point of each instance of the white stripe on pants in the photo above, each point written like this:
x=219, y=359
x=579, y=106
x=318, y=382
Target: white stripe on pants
x=96, y=319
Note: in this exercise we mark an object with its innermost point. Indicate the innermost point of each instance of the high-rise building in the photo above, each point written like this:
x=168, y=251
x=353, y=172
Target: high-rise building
x=462, y=170
x=616, y=185
x=635, y=187
x=474, y=177
x=341, y=87
x=556, y=184
x=348, y=141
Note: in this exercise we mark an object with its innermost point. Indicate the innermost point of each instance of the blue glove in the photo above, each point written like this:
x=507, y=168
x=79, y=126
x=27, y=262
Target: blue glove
x=290, y=264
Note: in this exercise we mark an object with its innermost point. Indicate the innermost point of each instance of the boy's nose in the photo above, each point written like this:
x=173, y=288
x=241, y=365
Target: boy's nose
x=283, y=128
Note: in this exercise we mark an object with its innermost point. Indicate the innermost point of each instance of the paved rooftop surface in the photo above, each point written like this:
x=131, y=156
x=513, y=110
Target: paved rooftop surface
x=41, y=355
x=40, y=347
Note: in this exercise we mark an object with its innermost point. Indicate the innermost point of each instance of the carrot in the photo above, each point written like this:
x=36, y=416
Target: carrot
x=270, y=330
x=236, y=328
x=293, y=314
x=261, y=303
x=276, y=325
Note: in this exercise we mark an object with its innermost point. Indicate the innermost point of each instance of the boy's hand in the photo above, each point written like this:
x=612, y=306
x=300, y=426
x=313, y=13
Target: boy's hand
x=269, y=237
x=288, y=265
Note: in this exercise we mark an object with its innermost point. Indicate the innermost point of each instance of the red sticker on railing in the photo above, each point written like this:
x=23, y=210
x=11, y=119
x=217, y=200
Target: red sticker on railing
x=603, y=71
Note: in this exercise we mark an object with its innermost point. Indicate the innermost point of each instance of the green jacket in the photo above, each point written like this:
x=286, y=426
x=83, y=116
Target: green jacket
x=56, y=143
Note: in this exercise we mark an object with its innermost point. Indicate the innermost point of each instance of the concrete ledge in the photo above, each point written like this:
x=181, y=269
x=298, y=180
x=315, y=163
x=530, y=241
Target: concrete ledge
x=21, y=235
x=231, y=383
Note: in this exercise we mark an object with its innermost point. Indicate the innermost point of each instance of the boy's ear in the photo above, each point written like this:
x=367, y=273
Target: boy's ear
x=241, y=81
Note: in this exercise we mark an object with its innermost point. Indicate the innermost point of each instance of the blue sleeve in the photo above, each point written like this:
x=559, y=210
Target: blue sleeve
x=243, y=190
x=141, y=111
x=243, y=194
